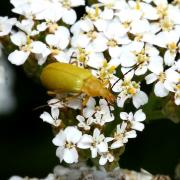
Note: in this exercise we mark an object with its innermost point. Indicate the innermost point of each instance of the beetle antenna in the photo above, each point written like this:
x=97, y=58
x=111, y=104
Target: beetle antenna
x=46, y=105
x=134, y=68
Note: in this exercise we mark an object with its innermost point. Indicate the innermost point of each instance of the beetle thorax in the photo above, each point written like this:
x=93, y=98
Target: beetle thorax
x=94, y=87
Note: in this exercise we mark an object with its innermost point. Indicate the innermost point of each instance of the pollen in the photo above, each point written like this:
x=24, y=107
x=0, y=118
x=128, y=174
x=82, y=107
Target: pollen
x=162, y=10
x=82, y=55
x=66, y=4
x=137, y=7
x=138, y=37
x=126, y=24
x=92, y=35
x=172, y=47
x=132, y=91
x=178, y=87
x=118, y=136
x=55, y=51
x=166, y=24
x=53, y=27
x=112, y=43
x=93, y=15
x=142, y=57
x=112, y=69
x=69, y=145
x=162, y=77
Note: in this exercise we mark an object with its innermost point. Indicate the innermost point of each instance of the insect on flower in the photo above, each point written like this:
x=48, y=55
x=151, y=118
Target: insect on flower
x=61, y=77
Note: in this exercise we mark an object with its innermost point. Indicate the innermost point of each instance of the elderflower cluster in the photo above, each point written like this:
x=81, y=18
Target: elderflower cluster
x=125, y=44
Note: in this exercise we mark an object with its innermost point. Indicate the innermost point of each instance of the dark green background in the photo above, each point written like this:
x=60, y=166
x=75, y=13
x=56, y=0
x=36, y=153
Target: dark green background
x=25, y=141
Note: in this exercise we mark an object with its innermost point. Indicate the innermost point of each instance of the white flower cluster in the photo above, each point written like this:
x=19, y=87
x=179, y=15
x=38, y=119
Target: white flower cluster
x=88, y=132
x=121, y=42
x=82, y=171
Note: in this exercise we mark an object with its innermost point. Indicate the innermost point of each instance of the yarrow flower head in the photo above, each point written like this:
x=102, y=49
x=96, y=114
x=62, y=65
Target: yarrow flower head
x=66, y=141
x=114, y=52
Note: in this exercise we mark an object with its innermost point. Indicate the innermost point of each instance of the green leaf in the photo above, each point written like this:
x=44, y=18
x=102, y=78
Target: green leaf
x=172, y=111
x=162, y=108
x=90, y=2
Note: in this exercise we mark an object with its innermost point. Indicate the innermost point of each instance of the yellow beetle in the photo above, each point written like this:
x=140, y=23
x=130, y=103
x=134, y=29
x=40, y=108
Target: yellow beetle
x=62, y=77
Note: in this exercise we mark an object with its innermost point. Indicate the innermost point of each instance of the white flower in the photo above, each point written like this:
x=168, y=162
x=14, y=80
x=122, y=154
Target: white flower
x=84, y=57
x=85, y=124
x=94, y=40
x=30, y=9
x=142, y=56
x=49, y=11
x=98, y=114
x=130, y=89
x=66, y=141
x=106, y=157
x=113, y=4
x=148, y=11
x=60, y=38
x=99, y=18
x=51, y=119
x=26, y=25
x=165, y=81
x=18, y=57
x=134, y=120
x=168, y=40
x=69, y=15
x=16, y=178
x=115, y=37
x=97, y=143
x=60, y=101
x=121, y=136
x=6, y=25
x=27, y=46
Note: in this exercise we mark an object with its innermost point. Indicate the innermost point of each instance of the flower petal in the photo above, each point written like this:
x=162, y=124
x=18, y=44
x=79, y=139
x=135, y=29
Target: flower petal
x=72, y=134
x=160, y=90
x=70, y=155
x=18, y=57
x=140, y=99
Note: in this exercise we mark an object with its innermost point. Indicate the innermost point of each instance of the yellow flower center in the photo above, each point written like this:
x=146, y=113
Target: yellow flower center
x=69, y=145
x=132, y=90
x=66, y=4
x=112, y=43
x=172, y=47
x=138, y=37
x=166, y=24
x=92, y=35
x=53, y=27
x=130, y=87
x=93, y=15
x=118, y=136
x=55, y=51
x=141, y=57
x=162, y=77
x=83, y=55
x=126, y=24
x=178, y=86
x=138, y=6
x=162, y=10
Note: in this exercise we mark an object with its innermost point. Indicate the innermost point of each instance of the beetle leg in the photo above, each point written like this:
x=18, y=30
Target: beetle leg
x=51, y=93
x=85, y=100
x=57, y=91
